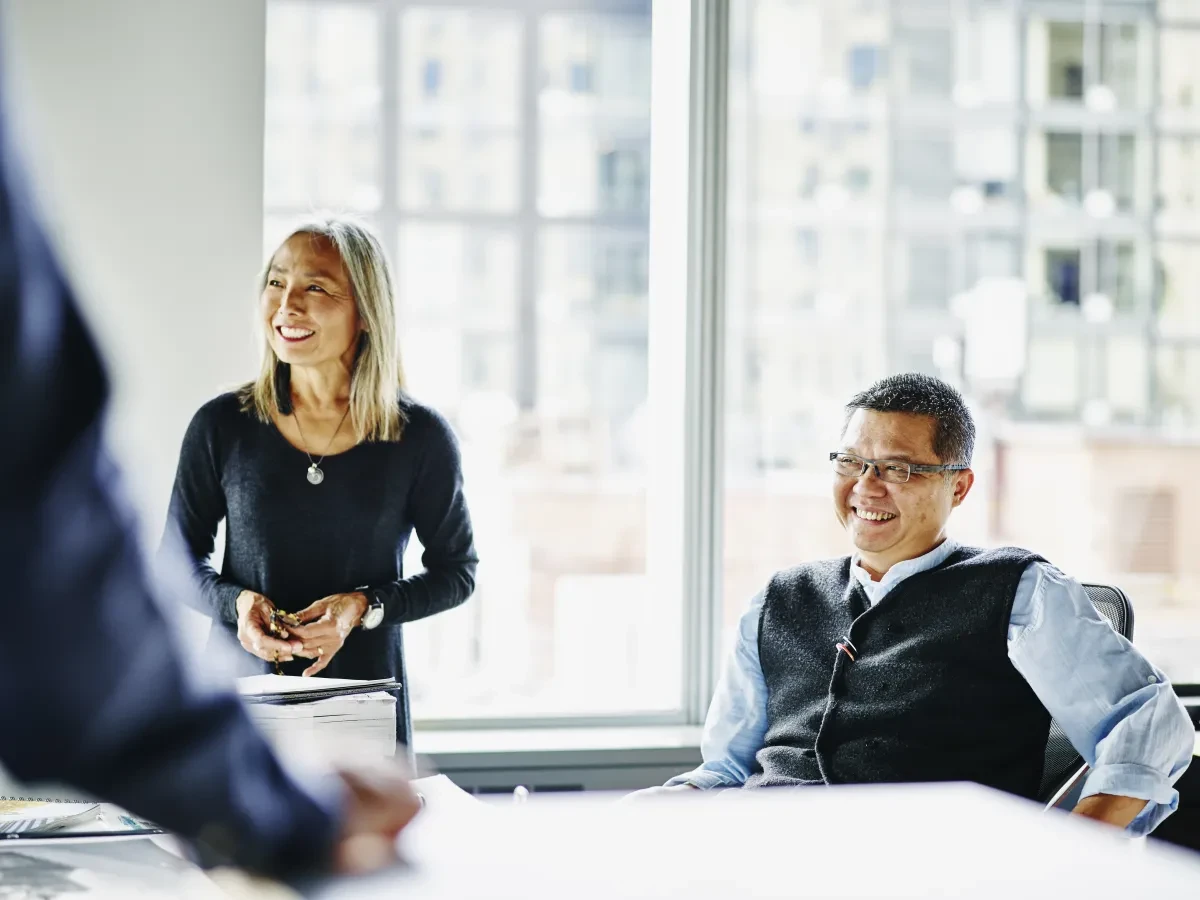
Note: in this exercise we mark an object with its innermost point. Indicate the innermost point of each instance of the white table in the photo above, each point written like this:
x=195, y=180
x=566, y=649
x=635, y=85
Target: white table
x=847, y=842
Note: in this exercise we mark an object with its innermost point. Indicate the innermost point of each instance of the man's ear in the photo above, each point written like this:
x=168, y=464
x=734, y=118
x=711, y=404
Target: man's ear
x=963, y=480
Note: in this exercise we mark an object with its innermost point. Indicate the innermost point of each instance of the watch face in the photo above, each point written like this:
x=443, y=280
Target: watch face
x=372, y=617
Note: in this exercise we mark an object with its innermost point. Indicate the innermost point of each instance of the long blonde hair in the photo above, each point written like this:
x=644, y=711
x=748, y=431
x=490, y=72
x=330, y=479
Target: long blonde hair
x=377, y=377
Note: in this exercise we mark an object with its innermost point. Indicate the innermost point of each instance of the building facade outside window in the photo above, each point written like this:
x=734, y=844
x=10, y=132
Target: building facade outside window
x=999, y=192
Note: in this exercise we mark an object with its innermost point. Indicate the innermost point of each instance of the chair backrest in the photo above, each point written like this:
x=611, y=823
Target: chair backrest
x=1061, y=760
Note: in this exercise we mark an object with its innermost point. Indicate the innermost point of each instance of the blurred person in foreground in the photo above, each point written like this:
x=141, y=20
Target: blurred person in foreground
x=919, y=659
x=92, y=689
x=322, y=469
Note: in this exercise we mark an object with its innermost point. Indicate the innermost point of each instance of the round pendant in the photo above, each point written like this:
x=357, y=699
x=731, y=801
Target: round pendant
x=315, y=475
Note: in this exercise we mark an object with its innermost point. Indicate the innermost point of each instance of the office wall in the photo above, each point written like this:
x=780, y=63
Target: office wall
x=143, y=122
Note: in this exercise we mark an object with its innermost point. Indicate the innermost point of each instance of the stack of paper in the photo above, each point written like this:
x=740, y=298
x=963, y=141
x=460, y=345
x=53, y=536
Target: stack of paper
x=323, y=718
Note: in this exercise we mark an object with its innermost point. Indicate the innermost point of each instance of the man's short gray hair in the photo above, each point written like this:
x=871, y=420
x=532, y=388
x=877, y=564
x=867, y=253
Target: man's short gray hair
x=924, y=395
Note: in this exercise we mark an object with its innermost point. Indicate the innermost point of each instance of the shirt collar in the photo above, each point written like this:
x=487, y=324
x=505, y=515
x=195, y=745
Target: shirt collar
x=877, y=590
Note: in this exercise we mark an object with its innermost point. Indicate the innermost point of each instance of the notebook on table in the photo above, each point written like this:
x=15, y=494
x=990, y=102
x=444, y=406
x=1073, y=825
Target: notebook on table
x=43, y=818
x=27, y=815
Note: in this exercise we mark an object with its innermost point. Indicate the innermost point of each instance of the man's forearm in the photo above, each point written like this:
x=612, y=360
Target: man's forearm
x=1111, y=808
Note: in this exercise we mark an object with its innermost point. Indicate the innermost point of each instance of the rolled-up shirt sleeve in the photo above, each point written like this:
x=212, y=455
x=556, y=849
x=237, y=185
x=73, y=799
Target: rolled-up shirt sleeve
x=737, y=718
x=1117, y=708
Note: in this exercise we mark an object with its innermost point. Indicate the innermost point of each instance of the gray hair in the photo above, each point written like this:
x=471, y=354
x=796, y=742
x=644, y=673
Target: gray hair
x=924, y=395
x=377, y=378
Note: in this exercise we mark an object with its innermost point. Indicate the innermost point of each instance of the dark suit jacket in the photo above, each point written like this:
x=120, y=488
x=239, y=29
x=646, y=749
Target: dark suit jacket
x=92, y=691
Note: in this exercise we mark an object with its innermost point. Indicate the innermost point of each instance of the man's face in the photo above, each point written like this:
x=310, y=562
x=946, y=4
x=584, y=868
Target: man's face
x=890, y=523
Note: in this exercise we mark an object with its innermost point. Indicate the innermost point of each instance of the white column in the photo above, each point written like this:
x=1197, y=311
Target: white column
x=143, y=130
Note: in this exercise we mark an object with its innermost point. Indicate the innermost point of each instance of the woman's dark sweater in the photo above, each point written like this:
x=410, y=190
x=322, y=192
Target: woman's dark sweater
x=295, y=542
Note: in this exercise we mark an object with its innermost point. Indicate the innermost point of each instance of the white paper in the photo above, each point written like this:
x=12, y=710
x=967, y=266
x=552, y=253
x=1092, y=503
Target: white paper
x=440, y=794
x=257, y=685
x=328, y=730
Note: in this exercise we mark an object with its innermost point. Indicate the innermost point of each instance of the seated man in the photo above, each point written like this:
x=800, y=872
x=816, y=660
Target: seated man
x=919, y=659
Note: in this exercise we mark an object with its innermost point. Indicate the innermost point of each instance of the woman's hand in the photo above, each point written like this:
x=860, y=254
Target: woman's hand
x=254, y=629
x=327, y=623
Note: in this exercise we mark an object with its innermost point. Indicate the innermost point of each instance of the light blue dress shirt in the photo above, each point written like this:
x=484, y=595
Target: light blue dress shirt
x=1118, y=710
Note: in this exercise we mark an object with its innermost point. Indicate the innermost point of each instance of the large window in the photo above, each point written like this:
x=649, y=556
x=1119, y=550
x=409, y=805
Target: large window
x=503, y=151
x=1076, y=275
x=998, y=192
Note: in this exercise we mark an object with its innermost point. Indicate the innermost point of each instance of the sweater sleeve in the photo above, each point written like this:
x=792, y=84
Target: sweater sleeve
x=93, y=692
x=196, y=509
x=443, y=525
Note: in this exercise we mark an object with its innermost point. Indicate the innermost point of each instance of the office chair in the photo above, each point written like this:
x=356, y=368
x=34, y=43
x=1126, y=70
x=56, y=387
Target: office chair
x=1063, y=769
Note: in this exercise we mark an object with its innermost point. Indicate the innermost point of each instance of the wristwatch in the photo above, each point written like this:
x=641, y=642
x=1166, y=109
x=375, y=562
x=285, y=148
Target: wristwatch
x=373, y=617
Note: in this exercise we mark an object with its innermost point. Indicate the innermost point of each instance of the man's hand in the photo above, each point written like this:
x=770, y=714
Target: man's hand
x=327, y=624
x=380, y=802
x=660, y=791
x=1111, y=808
x=253, y=629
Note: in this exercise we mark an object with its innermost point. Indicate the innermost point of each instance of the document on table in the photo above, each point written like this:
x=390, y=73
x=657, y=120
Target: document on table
x=79, y=871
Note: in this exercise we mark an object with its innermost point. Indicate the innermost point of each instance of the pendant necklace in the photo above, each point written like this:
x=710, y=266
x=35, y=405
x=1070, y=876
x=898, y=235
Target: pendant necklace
x=315, y=475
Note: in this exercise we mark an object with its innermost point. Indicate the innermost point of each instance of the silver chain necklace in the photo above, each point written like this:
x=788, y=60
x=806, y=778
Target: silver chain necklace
x=315, y=475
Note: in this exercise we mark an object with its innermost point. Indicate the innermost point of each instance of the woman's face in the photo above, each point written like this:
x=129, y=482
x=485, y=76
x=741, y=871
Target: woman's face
x=307, y=304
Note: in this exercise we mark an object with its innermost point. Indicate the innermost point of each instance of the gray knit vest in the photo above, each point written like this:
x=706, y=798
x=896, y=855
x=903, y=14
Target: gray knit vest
x=930, y=694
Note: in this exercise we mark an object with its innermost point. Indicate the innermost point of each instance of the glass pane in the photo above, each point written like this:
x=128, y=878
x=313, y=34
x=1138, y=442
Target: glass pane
x=1064, y=169
x=1179, y=11
x=814, y=49
x=1117, y=164
x=1127, y=375
x=1116, y=275
x=1060, y=272
x=924, y=165
x=1179, y=182
x=924, y=56
x=592, y=298
x=544, y=373
x=988, y=54
x=1119, y=63
x=460, y=74
x=807, y=262
x=990, y=256
x=532, y=342
x=593, y=108
x=1064, y=55
x=1179, y=68
x=1052, y=383
x=457, y=292
x=926, y=265
x=985, y=159
x=1062, y=296
x=1178, y=373
x=1178, y=297
x=322, y=139
x=832, y=164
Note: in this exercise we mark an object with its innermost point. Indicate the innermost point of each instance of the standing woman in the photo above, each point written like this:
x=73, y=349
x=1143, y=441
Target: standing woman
x=322, y=468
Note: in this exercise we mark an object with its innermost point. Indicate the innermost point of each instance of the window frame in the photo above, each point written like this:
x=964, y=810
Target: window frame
x=698, y=252
x=695, y=35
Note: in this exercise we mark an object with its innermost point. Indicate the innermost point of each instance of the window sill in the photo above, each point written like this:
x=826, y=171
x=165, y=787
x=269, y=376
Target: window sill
x=674, y=747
